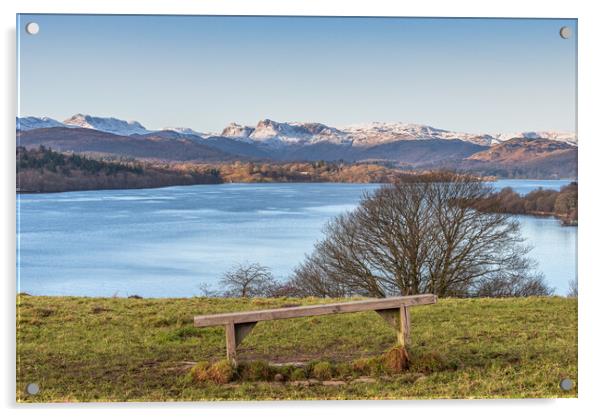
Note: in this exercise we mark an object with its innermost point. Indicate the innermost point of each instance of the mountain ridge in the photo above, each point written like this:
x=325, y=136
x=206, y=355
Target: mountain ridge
x=406, y=146
x=281, y=134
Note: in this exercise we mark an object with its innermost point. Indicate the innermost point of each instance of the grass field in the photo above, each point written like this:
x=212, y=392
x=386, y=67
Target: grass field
x=116, y=349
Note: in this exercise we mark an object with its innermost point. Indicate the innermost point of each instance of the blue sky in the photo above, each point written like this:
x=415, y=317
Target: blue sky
x=473, y=75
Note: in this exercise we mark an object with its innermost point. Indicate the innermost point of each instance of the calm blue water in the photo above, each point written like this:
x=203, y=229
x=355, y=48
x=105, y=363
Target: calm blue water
x=165, y=242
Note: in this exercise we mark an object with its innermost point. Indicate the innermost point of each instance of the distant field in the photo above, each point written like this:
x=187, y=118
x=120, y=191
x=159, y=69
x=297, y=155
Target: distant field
x=116, y=349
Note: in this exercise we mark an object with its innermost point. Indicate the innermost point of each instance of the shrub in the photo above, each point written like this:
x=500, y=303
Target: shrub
x=220, y=372
x=343, y=370
x=199, y=371
x=361, y=365
x=368, y=366
x=297, y=374
x=285, y=370
x=322, y=370
x=255, y=371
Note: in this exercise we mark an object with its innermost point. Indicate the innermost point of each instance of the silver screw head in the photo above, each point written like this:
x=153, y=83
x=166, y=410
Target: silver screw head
x=32, y=28
x=32, y=389
x=565, y=32
x=566, y=384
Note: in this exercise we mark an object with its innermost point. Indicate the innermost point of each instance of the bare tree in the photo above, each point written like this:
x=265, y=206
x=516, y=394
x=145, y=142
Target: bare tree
x=421, y=235
x=248, y=280
x=207, y=291
x=515, y=285
x=312, y=278
x=573, y=288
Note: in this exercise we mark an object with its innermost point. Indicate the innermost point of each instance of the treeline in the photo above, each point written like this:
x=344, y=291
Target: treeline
x=43, y=170
x=550, y=170
x=317, y=171
x=561, y=204
x=46, y=159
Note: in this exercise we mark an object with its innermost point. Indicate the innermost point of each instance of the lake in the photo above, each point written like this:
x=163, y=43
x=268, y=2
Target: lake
x=164, y=242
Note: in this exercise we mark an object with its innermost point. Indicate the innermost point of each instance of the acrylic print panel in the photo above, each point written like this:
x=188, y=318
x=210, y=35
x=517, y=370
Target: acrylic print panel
x=252, y=208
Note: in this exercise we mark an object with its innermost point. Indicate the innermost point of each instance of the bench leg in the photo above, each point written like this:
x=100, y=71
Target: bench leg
x=399, y=319
x=235, y=333
x=404, y=313
x=241, y=330
x=231, y=342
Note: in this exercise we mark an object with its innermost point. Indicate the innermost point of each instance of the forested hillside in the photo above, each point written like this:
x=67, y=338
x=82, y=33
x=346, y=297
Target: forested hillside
x=43, y=170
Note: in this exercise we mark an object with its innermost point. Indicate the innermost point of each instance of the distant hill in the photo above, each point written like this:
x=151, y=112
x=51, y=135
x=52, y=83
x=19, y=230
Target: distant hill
x=543, y=154
x=522, y=150
x=44, y=170
x=29, y=123
x=280, y=134
x=106, y=124
x=172, y=146
x=415, y=153
x=154, y=147
x=519, y=157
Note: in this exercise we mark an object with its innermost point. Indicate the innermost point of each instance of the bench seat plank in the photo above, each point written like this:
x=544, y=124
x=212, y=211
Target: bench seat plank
x=314, y=310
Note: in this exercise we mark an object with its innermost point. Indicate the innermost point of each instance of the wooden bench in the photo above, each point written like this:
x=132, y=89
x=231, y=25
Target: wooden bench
x=395, y=311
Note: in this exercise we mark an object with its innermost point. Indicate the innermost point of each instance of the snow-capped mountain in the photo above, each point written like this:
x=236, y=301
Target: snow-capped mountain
x=29, y=123
x=566, y=137
x=281, y=134
x=382, y=132
x=236, y=131
x=276, y=134
x=106, y=124
x=541, y=154
x=185, y=131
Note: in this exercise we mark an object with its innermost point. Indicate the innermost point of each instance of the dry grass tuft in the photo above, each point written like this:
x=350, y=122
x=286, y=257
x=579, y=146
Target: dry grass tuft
x=322, y=370
x=220, y=372
x=396, y=360
x=199, y=372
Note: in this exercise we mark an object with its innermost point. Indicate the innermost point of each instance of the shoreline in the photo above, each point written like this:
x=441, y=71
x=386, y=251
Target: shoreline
x=193, y=185
x=26, y=192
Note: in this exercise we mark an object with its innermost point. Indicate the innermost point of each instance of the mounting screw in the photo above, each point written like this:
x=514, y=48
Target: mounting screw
x=32, y=389
x=32, y=28
x=566, y=384
x=565, y=32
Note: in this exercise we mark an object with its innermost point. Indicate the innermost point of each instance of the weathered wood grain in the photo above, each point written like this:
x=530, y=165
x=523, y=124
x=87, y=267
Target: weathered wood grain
x=230, y=342
x=314, y=310
x=241, y=331
x=405, y=326
x=395, y=310
x=399, y=319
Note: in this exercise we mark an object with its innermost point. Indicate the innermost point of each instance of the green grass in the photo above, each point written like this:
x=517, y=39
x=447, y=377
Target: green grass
x=116, y=349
